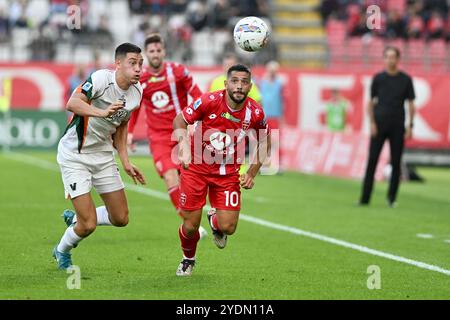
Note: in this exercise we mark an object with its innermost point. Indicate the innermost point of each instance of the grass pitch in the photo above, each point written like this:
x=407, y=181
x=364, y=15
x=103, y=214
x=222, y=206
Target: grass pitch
x=139, y=261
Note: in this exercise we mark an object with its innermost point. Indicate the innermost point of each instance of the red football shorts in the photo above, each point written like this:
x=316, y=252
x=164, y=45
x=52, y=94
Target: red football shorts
x=163, y=152
x=224, y=192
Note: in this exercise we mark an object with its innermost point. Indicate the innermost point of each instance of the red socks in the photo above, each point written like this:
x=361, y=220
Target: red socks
x=188, y=243
x=214, y=223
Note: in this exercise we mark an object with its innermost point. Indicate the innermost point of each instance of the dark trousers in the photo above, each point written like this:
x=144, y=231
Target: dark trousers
x=394, y=131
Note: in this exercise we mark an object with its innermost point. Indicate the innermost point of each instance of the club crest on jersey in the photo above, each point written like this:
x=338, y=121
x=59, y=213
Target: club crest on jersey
x=197, y=104
x=228, y=116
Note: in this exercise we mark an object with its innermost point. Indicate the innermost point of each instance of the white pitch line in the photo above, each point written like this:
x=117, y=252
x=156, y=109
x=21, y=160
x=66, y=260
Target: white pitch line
x=163, y=196
x=424, y=236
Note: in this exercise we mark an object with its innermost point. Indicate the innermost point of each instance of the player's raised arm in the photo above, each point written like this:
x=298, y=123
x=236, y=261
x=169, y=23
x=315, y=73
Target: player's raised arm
x=78, y=104
x=120, y=143
x=80, y=101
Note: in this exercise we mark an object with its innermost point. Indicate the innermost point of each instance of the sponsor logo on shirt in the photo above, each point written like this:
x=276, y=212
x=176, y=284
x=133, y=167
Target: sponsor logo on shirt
x=160, y=99
x=228, y=116
x=156, y=79
x=220, y=140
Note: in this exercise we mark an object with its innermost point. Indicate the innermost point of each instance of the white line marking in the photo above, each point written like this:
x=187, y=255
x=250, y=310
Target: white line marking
x=424, y=236
x=163, y=196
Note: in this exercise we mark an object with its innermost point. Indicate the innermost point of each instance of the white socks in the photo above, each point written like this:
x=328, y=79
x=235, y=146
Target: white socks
x=69, y=240
x=184, y=258
x=102, y=217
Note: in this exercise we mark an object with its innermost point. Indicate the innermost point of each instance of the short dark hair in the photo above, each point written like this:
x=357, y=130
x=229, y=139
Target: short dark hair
x=153, y=38
x=124, y=48
x=395, y=49
x=238, y=67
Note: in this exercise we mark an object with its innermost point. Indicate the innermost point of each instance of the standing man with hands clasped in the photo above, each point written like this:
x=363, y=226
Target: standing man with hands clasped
x=389, y=91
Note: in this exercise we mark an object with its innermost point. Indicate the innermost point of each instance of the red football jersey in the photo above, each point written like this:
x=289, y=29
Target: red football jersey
x=218, y=142
x=164, y=96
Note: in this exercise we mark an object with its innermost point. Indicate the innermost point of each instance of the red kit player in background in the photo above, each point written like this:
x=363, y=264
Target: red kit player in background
x=166, y=88
x=211, y=161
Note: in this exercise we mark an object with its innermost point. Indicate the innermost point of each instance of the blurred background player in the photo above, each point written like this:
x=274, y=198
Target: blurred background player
x=336, y=112
x=389, y=91
x=167, y=87
x=215, y=166
x=102, y=106
x=273, y=99
x=229, y=60
x=272, y=94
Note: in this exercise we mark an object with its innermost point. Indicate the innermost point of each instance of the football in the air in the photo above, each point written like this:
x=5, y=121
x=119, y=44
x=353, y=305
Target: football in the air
x=251, y=33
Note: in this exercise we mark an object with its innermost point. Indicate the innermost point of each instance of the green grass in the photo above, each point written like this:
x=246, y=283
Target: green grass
x=139, y=261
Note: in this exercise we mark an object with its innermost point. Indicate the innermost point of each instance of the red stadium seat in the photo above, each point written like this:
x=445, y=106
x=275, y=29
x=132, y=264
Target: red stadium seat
x=437, y=56
x=336, y=29
x=415, y=52
x=336, y=34
x=375, y=49
x=437, y=50
x=355, y=49
x=399, y=5
x=337, y=50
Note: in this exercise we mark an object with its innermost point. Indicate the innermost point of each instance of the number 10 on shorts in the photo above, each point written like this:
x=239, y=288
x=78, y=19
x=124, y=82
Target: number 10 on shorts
x=231, y=199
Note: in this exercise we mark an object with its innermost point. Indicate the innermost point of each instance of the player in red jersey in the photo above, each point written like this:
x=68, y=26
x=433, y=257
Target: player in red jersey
x=166, y=87
x=211, y=160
